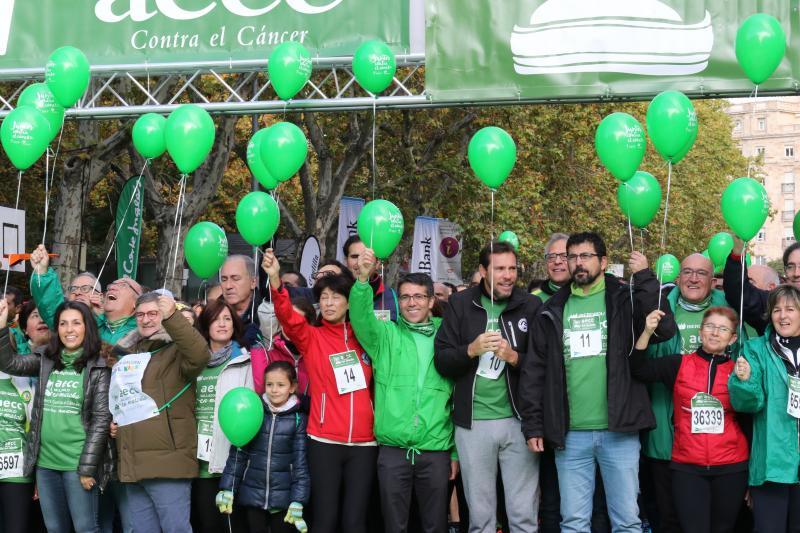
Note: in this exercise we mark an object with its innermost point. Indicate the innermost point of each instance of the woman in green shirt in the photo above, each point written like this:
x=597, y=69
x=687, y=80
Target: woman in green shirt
x=68, y=438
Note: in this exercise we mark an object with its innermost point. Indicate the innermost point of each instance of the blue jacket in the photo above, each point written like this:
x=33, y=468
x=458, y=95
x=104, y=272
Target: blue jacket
x=270, y=471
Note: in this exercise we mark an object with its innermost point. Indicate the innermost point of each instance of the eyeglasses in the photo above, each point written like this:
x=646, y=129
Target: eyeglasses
x=688, y=272
x=714, y=327
x=418, y=298
x=152, y=315
x=791, y=267
x=552, y=258
x=121, y=282
x=585, y=256
x=83, y=289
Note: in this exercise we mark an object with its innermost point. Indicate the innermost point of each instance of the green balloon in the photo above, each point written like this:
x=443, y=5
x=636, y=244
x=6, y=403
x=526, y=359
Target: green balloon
x=667, y=268
x=39, y=96
x=511, y=238
x=380, y=227
x=671, y=124
x=255, y=164
x=492, y=155
x=745, y=207
x=760, y=46
x=257, y=217
x=620, y=144
x=719, y=247
x=240, y=415
x=686, y=147
x=639, y=198
x=190, y=136
x=374, y=66
x=25, y=134
x=205, y=248
x=289, y=68
x=284, y=149
x=67, y=75
x=796, y=226
x=148, y=135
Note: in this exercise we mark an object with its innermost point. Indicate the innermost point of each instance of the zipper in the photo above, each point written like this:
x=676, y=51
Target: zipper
x=513, y=336
x=322, y=410
x=269, y=458
x=246, y=468
x=475, y=375
x=350, y=431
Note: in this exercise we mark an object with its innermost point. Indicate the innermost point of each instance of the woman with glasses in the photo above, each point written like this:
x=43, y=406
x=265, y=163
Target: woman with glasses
x=766, y=383
x=342, y=449
x=709, y=449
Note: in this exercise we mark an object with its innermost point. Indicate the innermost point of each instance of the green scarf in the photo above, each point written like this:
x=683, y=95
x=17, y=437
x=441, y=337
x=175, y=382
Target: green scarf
x=114, y=324
x=597, y=287
x=692, y=307
x=423, y=328
x=68, y=358
x=553, y=287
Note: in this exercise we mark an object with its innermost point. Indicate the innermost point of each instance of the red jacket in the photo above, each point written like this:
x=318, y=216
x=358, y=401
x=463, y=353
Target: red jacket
x=342, y=418
x=705, y=449
x=260, y=358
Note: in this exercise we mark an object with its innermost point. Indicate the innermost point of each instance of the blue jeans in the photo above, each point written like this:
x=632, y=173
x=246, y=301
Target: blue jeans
x=159, y=505
x=65, y=503
x=617, y=455
x=114, y=499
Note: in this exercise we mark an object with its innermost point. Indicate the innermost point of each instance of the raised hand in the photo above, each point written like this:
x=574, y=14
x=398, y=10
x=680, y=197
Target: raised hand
x=40, y=261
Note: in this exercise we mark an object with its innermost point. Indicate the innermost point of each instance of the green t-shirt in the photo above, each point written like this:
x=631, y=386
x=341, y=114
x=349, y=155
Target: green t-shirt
x=585, y=345
x=490, y=398
x=206, y=390
x=13, y=420
x=689, y=328
x=63, y=435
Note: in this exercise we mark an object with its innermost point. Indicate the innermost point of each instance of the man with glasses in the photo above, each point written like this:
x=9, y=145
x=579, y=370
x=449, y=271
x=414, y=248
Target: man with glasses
x=754, y=307
x=481, y=344
x=113, y=310
x=555, y=255
x=576, y=391
x=688, y=300
x=412, y=400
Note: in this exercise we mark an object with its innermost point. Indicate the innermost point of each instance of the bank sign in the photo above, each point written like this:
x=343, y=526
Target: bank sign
x=589, y=49
x=139, y=32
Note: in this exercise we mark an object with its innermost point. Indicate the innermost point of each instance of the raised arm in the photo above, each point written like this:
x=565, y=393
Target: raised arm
x=192, y=348
x=661, y=369
x=10, y=362
x=293, y=323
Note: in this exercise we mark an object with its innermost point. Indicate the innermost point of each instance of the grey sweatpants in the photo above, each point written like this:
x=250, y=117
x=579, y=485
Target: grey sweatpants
x=479, y=451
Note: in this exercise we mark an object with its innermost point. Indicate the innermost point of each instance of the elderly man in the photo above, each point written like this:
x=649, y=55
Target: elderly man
x=555, y=256
x=114, y=313
x=763, y=277
x=238, y=280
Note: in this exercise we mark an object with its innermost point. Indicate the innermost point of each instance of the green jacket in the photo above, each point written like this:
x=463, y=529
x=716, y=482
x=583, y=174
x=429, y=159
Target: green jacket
x=412, y=404
x=774, y=454
x=658, y=442
x=48, y=296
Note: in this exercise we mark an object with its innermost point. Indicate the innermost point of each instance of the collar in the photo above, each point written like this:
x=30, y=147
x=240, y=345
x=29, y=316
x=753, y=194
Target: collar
x=288, y=406
x=694, y=307
x=550, y=288
x=424, y=328
x=598, y=287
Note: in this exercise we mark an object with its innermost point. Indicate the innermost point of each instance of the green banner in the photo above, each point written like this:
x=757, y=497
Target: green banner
x=130, y=208
x=139, y=32
x=588, y=50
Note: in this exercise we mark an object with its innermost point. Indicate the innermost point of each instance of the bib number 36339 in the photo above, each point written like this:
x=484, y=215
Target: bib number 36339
x=793, y=406
x=11, y=459
x=348, y=372
x=708, y=415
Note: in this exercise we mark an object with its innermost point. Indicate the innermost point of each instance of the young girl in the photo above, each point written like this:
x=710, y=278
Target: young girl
x=276, y=455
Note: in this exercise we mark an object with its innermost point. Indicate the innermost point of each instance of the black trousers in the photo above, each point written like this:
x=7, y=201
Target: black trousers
x=262, y=521
x=776, y=508
x=661, y=476
x=15, y=504
x=205, y=516
x=341, y=478
x=708, y=503
x=427, y=478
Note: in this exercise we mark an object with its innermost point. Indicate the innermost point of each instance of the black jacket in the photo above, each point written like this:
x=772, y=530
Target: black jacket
x=754, y=310
x=274, y=481
x=543, y=389
x=96, y=458
x=464, y=320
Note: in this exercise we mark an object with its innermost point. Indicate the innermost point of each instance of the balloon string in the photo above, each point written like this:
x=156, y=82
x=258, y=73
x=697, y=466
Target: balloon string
x=641, y=239
x=46, y=190
x=233, y=486
x=666, y=209
x=491, y=254
x=754, y=95
x=255, y=276
x=16, y=206
x=52, y=171
x=374, y=167
x=741, y=290
x=176, y=225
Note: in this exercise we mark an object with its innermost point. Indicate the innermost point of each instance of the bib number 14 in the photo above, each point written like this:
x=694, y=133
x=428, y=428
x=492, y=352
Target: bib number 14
x=348, y=372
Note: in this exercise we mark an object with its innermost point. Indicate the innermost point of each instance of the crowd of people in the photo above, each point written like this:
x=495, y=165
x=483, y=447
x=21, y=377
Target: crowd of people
x=585, y=403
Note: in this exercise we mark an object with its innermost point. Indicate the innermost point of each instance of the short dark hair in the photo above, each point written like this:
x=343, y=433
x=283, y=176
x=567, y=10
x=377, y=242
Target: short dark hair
x=17, y=294
x=592, y=238
x=417, y=278
x=351, y=240
x=303, y=282
x=340, y=284
x=494, y=248
x=210, y=314
x=27, y=308
x=282, y=366
x=453, y=288
x=302, y=303
x=91, y=336
x=786, y=253
x=336, y=263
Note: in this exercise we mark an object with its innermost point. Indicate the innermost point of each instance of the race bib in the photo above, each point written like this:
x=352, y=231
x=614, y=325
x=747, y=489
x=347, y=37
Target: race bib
x=126, y=401
x=793, y=406
x=708, y=416
x=11, y=459
x=383, y=314
x=205, y=432
x=585, y=343
x=348, y=372
x=490, y=366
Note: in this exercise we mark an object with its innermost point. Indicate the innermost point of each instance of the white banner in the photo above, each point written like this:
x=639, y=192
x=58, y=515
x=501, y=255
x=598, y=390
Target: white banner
x=437, y=249
x=309, y=260
x=126, y=401
x=349, y=208
x=449, y=248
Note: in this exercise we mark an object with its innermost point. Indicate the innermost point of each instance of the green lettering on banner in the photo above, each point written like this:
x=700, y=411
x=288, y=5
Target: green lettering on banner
x=571, y=49
x=140, y=32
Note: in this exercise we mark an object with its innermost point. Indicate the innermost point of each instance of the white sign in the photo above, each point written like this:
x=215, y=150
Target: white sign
x=309, y=260
x=349, y=209
x=437, y=249
x=126, y=401
x=13, y=235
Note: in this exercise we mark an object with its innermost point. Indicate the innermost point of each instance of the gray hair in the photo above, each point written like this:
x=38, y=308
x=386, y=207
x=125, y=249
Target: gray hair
x=773, y=276
x=94, y=279
x=249, y=264
x=147, y=298
x=554, y=238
